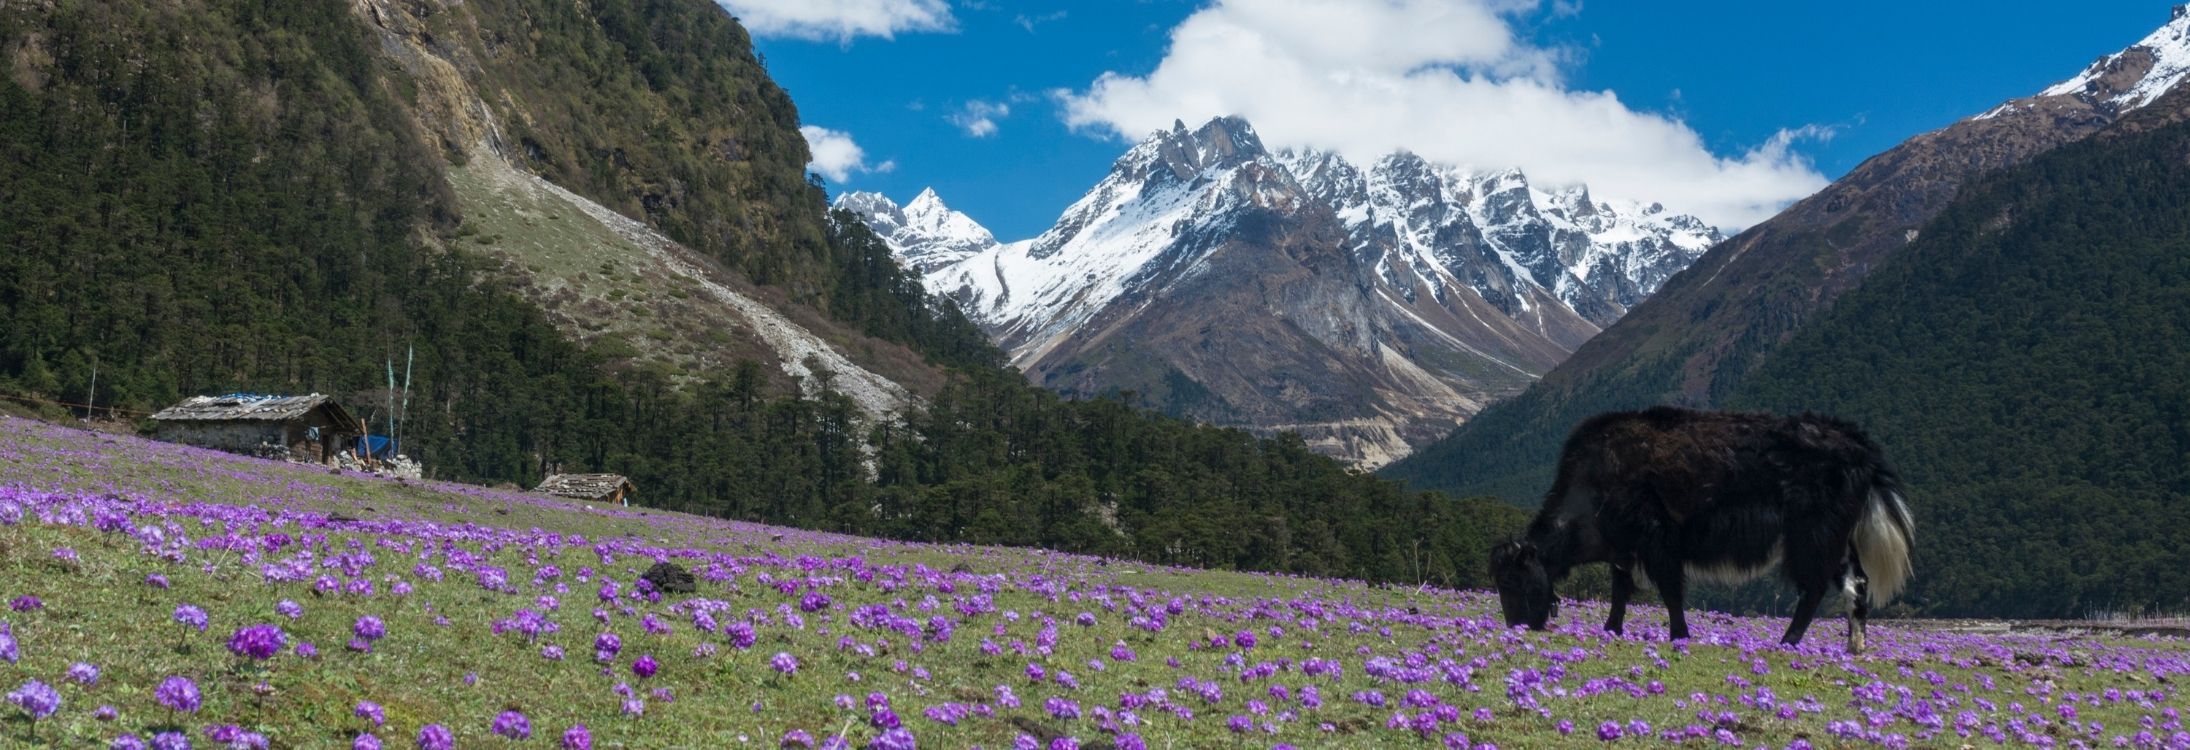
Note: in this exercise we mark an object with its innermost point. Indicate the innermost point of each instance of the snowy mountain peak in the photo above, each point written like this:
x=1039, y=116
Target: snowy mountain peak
x=2129, y=79
x=924, y=234
x=926, y=201
x=1179, y=154
x=876, y=208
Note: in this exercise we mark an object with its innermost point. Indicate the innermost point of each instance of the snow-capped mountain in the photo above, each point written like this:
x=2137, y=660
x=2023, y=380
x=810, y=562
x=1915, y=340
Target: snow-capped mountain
x=1368, y=309
x=924, y=234
x=1494, y=233
x=2127, y=80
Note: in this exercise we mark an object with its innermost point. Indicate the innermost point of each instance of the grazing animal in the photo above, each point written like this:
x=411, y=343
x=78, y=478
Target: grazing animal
x=1720, y=496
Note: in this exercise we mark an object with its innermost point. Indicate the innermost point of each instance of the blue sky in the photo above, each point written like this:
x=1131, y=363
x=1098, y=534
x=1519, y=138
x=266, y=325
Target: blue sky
x=1733, y=108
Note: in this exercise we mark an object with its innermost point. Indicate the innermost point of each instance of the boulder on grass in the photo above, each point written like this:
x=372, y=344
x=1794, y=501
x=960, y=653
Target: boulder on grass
x=669, y=578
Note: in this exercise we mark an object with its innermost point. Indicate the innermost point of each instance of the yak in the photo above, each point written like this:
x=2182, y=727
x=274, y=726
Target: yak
x=1719, y=496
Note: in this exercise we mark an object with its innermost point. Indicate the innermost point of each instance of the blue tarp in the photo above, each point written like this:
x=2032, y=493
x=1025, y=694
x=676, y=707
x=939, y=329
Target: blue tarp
x=376, y=446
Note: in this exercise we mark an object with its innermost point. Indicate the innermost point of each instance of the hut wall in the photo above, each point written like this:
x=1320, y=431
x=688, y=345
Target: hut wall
x=234, y=437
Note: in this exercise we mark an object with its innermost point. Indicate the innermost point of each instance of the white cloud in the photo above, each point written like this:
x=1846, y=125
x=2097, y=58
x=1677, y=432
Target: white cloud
x=841, y=20
x=1446, y=79
x=978, y=118
x=1029, y=22
x=836, y=156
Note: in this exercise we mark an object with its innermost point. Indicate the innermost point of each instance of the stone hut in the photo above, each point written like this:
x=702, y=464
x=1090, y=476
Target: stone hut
x=299, y=428
x=599, y=488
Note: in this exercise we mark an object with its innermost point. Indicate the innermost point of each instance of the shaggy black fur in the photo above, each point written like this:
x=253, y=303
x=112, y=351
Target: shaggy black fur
x=1727, y=495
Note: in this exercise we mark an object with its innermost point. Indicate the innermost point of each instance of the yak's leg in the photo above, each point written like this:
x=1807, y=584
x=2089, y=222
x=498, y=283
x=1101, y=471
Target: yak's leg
x=1665, y=572
x=1623, y=588
x=1859, y=603
x=1813, y=564
x=1805, y=611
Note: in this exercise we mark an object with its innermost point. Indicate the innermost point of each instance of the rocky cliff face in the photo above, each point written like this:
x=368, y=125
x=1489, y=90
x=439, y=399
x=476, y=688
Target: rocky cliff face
x=1370, y=310
x=1710, y=325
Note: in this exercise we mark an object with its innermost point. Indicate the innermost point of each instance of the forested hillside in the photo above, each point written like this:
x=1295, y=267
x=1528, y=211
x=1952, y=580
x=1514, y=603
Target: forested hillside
x=1710, y=326
x=226, y=195
x=2024, y=361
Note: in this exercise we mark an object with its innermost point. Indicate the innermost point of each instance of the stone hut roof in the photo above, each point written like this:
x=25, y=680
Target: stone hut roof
x=585, y=486
x=243, y=407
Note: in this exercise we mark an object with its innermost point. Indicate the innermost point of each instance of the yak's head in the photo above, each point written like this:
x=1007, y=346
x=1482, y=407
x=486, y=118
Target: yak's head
x=1524, y=587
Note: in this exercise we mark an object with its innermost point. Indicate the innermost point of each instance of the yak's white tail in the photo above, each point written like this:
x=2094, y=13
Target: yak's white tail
x=1883, y=541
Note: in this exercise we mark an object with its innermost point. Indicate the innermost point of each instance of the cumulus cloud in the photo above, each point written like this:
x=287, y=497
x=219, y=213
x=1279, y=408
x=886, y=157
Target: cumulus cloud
x=836, y=156
x=841, y=20
x=1446, y=79
x=978, y=118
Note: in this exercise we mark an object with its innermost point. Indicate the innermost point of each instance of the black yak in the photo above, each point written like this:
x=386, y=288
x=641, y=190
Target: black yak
x=1720, y=496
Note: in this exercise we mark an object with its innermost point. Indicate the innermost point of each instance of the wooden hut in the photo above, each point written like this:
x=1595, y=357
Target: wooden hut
x=599, y=488
x=299, y=428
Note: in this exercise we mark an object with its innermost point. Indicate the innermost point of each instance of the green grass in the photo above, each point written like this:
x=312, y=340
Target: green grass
x=460, y=673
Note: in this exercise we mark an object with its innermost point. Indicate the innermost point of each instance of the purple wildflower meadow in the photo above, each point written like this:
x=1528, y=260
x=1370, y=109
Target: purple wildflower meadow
x=869, y=643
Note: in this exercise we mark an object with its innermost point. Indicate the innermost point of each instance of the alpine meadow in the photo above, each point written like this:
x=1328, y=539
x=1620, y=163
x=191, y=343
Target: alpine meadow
x=470, y=373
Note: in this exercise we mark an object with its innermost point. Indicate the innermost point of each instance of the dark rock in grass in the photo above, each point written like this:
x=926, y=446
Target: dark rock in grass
x=669, y=578
x=961, y=567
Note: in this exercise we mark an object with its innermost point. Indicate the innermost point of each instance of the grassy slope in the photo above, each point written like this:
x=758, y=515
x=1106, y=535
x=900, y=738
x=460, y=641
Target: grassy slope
x=625, y=305
x=97, y=609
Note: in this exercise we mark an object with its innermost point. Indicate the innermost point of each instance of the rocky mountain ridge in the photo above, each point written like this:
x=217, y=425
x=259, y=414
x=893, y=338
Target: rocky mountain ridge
x=1368, y=309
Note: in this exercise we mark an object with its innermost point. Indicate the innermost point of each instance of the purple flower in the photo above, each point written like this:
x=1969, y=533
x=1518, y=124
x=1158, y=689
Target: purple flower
x=370, y=711
x=1244, y=639
x=8, y=651
x=105, y=713
x=435, y=737
x=191, y=617
x=605, y=646
x=796, y=738
x=645, y=666
x=126, y=742
x=1609, y=731
x=259, y=642
x=227, y=734
x=156, y=580
x=40, y=699
x=178, y=693
x=171, y=741
x=83, y=673
x=577, y=738
x=365, y=741
x=741, y=635
x=513, y=725
x=895, y=739
x=26, y=603
x=784, y=662
x=289, y=609
x=369, y=628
